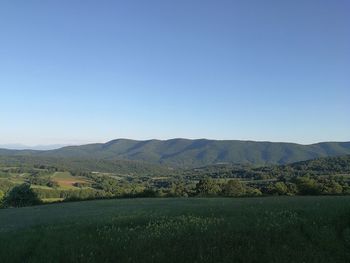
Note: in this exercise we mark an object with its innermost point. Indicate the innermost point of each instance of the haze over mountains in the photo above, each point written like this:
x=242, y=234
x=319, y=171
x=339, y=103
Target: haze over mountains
x=35, y=147
x=195, y=153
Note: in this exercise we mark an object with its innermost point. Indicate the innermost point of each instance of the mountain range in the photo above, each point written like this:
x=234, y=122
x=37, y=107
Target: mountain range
x=186, y=153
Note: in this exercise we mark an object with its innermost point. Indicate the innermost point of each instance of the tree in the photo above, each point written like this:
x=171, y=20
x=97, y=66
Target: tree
x=307, y=186
x=331, y=187
x=149, y=192
x=1, y=198
x=207, y=187
x=21, y=195
x=234, y=188
x=251, y=191
x=178, y=189
x=281, y=188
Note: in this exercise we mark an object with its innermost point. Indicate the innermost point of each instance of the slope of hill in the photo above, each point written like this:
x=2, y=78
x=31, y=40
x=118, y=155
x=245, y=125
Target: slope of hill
x=125, y=167
x=10, y=152
x=195, y=153
x=328, y=166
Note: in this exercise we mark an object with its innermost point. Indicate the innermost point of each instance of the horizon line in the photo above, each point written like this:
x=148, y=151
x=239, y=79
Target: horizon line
x=24, y=146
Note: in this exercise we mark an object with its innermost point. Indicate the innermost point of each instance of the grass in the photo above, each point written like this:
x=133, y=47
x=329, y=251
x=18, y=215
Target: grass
x=40, y=187
x=51, y=200
x=274, y=229
x=66, y=180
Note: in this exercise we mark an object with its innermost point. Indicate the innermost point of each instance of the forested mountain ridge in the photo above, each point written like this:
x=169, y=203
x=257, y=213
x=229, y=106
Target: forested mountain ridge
x=187, y=153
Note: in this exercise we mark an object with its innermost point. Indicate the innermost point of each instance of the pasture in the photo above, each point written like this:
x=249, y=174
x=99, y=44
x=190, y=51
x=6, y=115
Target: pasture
x=271, y=229
x=66, y=181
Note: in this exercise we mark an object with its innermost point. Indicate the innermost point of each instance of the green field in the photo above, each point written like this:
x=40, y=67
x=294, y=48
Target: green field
x=272, y=229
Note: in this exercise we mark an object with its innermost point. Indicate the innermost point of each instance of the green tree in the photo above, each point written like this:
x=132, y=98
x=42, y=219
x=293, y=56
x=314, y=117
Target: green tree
x=178, y=189
x=281, y=188
x=331, y=187
x=234, y=188
x=1, y=198
x=207, y=187
x=21, y=195
x=307, y=186
x=252, y=191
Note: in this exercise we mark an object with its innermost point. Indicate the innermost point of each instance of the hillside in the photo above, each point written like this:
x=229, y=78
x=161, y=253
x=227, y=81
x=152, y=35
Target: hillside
x=194, y=153
x=339, y=165
x=124, y=167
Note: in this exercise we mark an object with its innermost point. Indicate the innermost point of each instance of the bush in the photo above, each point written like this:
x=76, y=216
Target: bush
x=21, y=195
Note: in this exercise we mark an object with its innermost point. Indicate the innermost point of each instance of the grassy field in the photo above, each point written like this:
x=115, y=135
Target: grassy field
x=274, y=229
x=66, y=181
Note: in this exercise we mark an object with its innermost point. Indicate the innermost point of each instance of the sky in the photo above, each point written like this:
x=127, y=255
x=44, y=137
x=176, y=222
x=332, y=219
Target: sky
x=74, y=72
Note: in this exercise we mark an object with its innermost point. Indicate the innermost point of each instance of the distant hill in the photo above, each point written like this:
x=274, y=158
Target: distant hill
x=324, y=166
x=195, y=153
x=124, y=167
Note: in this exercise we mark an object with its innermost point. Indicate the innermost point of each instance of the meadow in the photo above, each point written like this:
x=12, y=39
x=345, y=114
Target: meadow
x=270, y=229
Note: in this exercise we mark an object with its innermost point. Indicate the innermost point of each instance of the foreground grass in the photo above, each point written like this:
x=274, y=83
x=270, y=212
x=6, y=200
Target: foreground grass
x=274, y=229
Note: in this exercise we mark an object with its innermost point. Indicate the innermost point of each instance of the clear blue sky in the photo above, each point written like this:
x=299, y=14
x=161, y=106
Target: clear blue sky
x=83, y=71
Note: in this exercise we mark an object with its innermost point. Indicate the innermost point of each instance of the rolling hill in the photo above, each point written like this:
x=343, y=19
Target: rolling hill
x=187, y=153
